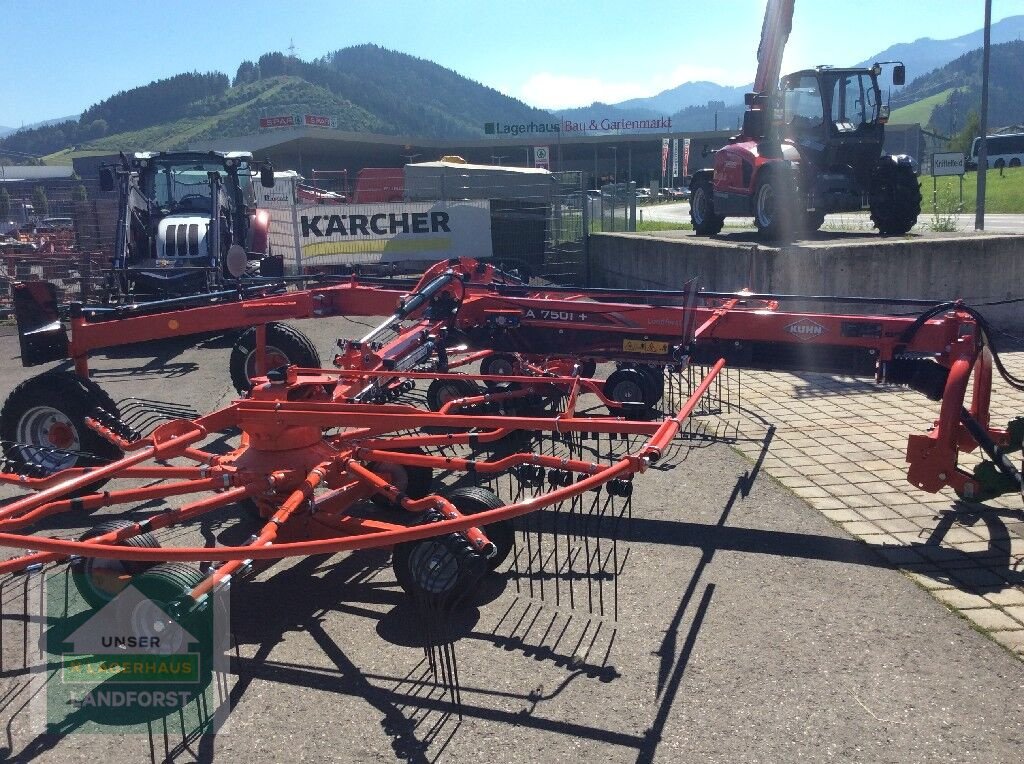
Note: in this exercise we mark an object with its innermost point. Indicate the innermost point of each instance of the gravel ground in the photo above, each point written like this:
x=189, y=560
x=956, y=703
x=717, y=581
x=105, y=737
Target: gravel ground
x=749, y=630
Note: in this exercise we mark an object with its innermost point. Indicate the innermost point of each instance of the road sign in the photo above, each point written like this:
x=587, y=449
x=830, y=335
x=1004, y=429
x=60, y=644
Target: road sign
x=950, y=163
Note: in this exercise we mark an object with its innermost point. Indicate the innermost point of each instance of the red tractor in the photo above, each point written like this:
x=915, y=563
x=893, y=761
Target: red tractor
x=811, y=147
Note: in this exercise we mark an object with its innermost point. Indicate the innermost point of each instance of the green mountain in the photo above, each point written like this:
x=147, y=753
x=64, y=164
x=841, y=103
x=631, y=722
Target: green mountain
x=955, y=89
x=365, y=88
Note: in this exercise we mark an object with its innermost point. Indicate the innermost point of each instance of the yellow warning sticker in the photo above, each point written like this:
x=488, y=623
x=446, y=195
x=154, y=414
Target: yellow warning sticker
x=645, y=346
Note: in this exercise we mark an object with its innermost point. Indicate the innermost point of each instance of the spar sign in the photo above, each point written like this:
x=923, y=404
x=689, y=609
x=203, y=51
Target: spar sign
x=374, y=233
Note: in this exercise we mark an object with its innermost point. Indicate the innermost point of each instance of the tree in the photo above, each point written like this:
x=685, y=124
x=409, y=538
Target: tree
x=972, y=129
x=96, y=129
x=40, y=203
x=5, y=206
x=247, y=72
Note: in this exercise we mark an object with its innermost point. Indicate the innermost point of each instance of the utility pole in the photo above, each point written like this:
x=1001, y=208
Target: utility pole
x=979, y=210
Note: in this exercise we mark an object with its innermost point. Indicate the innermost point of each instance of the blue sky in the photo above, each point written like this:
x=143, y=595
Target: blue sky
x=61, y=56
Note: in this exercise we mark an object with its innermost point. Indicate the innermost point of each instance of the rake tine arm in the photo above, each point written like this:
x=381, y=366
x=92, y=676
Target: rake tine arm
x=163, y=448
x=163, y=520
x=298, y=498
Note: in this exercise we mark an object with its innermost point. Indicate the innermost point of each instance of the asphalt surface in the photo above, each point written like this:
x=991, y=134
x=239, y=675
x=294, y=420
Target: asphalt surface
x=679, y=212
x=749, y=629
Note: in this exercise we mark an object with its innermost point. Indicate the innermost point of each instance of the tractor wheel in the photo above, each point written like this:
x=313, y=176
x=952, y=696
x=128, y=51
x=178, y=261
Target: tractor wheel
x=773, y=206
x=702, y=208
x=441, y=391
x=285, y=346
x=42, y=424
x=98, y=580
x=813, y=221
x=445, y=568
x=414, y=482
x=895, y=198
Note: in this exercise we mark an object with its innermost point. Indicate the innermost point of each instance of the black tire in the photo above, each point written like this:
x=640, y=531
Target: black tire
x=813, y=221
x=286, y=345
x=895, y=198
x=774, y=205
x=499, y=364
x=587, y=368
x=414, y=482
x=655, y=378
x=1014, y=163
x=702, y=208
x=626, y=386
x=472, y=500
x=432, y=568
x=49, y=412
x=99, y=581
x=441, y=391
x=167, y=585
x=1000, y=164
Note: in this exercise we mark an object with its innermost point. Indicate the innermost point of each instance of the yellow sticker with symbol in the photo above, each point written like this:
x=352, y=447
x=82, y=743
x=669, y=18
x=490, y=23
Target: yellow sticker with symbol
x=648, y=347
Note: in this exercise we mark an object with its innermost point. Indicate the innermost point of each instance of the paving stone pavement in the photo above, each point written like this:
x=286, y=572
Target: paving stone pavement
x=839, y=443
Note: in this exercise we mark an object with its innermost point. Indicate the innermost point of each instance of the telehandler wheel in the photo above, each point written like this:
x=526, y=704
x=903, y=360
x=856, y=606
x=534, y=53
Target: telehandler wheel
x=285, y=346
x=895, y=198
x=702, y=209
x=774, y=208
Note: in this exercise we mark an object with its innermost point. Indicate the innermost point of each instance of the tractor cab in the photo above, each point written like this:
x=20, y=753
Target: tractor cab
x=835, y=118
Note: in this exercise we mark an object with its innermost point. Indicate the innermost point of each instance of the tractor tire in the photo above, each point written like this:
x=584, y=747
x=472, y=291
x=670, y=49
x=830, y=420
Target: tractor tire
x=895, y=198
x=98, y=580
x=286, y=346
x=702, y=208
x=774, y=210
x=48, y=412
x=813, y=221
x=437, y=568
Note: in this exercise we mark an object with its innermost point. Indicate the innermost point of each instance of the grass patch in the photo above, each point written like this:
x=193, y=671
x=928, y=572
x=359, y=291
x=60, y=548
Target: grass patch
x=1003, y=192
x=919, y=111
x=661, y=225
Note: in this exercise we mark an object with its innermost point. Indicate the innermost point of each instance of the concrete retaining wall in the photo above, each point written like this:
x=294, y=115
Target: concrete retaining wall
x=979, y=268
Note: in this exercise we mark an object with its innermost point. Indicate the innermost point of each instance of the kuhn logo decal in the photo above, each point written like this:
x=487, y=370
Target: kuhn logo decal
x=805, y=329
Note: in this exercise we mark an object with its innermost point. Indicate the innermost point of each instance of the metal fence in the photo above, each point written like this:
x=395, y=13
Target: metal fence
x=70, y=238
x=58, y=230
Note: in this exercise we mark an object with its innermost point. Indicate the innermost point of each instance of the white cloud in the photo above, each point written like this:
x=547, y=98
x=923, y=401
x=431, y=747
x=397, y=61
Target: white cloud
x=560, y=91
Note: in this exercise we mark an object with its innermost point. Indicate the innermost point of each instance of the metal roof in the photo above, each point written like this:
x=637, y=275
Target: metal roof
x=21, y=172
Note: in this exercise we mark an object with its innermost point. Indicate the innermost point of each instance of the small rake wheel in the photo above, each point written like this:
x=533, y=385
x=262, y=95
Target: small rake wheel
x=446, y=568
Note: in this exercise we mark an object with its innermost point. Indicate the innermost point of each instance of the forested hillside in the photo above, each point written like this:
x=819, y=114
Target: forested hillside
x=365, y=88
x=962, y=78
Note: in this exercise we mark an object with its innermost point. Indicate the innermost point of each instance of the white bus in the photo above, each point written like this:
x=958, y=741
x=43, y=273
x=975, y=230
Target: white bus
x=1006, y=150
